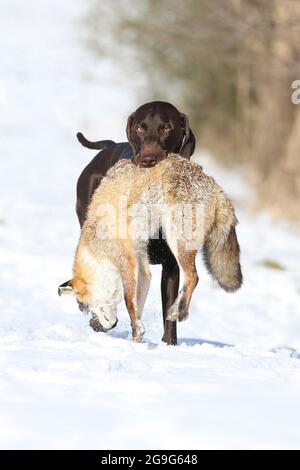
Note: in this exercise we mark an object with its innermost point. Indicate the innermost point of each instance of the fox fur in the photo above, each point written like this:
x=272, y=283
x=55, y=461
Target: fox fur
x=106, y=267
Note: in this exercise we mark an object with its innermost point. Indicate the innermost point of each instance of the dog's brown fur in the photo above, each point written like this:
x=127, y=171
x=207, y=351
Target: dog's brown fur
x=173, y=181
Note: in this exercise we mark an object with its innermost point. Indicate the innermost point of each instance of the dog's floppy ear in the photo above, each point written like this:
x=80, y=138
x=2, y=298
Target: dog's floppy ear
x=189, y=141
x=66, y=288
x=129, y=132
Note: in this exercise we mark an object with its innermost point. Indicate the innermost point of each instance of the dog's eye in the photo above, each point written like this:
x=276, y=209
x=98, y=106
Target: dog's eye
x=167, y=128
x=140, y=129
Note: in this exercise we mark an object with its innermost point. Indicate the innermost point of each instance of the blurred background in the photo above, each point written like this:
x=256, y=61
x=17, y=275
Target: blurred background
x=230, y=66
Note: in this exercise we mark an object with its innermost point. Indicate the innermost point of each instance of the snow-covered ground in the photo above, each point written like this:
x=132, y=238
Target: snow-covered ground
x=234, y=379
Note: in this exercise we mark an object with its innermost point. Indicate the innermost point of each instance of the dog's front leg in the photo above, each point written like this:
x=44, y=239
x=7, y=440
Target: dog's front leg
x=169, y=292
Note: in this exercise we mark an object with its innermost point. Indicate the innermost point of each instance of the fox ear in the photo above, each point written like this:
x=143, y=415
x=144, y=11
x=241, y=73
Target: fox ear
x=66, y=288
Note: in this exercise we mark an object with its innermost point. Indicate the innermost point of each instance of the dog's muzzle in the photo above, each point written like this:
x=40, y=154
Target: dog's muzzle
x=150, y=155
x=148, y=161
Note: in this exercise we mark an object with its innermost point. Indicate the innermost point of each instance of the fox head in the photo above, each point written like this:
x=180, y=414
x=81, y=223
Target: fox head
x=104, y=315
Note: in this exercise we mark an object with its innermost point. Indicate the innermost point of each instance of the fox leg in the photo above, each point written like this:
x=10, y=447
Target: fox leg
x=130, y=273
x=144, y=280
x=186, y=261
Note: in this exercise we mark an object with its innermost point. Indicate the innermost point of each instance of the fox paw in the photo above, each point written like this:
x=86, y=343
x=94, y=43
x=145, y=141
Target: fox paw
x=183, y=315
x=138, y=331
x=173, y=313
x=96, y=325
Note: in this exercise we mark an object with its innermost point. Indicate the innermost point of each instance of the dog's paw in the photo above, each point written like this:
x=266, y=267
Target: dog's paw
x=173, y=313
x=138, y=331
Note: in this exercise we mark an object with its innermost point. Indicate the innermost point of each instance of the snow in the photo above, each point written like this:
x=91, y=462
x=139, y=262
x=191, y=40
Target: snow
x=234, y=379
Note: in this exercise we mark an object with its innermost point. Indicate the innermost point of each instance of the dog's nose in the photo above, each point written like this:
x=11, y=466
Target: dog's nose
x=148, y=161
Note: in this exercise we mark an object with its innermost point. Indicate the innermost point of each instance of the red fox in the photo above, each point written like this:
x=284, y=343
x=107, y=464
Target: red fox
x=111, y=258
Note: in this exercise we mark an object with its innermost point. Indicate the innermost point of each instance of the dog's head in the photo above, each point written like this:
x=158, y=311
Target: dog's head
x=156, y=129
